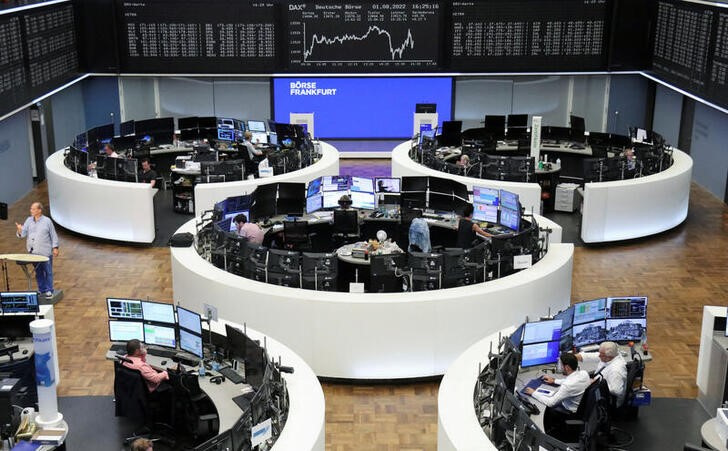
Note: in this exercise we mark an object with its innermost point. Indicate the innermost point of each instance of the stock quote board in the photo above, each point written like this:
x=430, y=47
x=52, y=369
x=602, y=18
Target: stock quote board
x=38, y=53
x=327, y=36
x=528, y=35
x=182, y=37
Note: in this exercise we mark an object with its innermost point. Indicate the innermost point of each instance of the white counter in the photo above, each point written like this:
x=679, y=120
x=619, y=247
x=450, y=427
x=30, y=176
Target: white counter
x=207, y=194
x=376, y=335
x=403, y=166
x=634, y=208
x=120, y=211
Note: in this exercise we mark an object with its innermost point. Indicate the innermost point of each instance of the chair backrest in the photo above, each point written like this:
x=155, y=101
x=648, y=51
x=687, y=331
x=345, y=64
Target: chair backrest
x=295, y=231
x=635, y=369
x=130, y=392
x=346, y=222
x=596, y=413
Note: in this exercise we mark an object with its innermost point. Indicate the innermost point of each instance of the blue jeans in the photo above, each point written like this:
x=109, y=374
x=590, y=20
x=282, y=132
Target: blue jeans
x=44, y=275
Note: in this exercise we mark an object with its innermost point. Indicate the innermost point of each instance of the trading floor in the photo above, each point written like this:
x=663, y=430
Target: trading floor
x=680, y=270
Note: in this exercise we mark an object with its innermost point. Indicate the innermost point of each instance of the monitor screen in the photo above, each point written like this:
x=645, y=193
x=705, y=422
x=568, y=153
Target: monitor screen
x=158, y=312
x=361, y=200
x=517, y=335
x=510, y=218
x=226, y=134
x=517, y=120
x=190, y=342
x=314, y=203
x=331, y=198
x=184, y=123
x=124, y=308
x=540, y=354
x=19, y=302
x=126, y=330
x=541, y=331
x=566, y=317
x=256, y=126
x=486, y=196
x=387, y=185
x=441, y=202
x=414, y=183
x=314, y=187
x=509, y=200
x=626, y=329
x=155, y=334
x=589, y=333
x=362, y=184
x=587, y=311
x=484, y=212
x=627, y=307
x=187, y=319
x=335, y=182
x=259, y=138
x=126, y=128
x=229, y=219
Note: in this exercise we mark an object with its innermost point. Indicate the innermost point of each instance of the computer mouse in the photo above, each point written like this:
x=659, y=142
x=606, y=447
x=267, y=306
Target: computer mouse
x=164, y=362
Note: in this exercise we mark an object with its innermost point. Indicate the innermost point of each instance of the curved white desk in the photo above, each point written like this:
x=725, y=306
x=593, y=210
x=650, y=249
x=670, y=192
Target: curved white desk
x=376, y=335
x=635, y=208
x=120, y=211
x=207, y=194
x=457, y=424
x=403, y=166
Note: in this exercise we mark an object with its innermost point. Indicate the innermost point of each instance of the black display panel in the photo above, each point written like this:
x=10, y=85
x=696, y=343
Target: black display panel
x=13, y=75
x=213, y=36
x=529, y=35
x=335, y=36
x=682, y=43
x=717, y=83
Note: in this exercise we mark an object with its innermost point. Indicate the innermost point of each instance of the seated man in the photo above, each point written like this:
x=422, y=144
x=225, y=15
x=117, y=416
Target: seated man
x=252, y=232
x=147, y=175
x=565, y=401
x=611, y=366
x=137, y=353
x=419, y=236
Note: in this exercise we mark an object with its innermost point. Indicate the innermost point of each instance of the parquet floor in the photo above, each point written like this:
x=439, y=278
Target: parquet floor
x=680, y=270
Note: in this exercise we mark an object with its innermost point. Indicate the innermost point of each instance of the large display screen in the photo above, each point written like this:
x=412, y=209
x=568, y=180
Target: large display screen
x=361, y=107
x=328, y=36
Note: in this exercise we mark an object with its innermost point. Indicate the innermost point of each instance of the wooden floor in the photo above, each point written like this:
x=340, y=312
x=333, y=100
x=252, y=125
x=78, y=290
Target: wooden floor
x=680, y=271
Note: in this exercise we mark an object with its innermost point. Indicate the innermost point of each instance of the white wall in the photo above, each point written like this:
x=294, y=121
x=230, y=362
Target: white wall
x=16, y=177
x=709, y=149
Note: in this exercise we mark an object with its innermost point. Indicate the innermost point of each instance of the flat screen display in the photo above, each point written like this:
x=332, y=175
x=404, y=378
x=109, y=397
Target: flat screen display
x=158, y=312
x=485, y=212
x=314, y=203
x=509, y=200
x=627, y=307
x=259, y=138
x=331, y=198
x=626, y=329
x=510, y=218
x=190, y=342
x=126, y=330
x=362, y=184
x=19, y=302
x=487, y=196
x=189, y=320
x=589, y=333
x=364, y=201
x=361, y=107
x=314, y=187
x=124, y=308
x=540, y=354
x=387, y=185
x=537, y=332
x=256, y=126
x=590, y=311
x=335, y=183
x=155, y=334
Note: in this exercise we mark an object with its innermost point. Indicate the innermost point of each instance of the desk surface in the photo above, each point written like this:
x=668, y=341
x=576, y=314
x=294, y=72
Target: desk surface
x=709, y=434
x=24, y=258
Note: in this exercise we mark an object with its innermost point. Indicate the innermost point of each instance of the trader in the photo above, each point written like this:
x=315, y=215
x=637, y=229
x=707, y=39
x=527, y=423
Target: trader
x=110, y=152
x=148, y=175
x=565, y=401
x=467, y=229
x=611, y=366
x=249, y=230
x=252, y=151
x=41, y=240
x=142, y=444
x=464, y=161
x=137, y=353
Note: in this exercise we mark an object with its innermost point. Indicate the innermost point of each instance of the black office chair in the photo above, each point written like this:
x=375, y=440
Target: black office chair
x=200, y=417
x=346, y=227
x=295, y=234
x=635, y=373
x=575, y=426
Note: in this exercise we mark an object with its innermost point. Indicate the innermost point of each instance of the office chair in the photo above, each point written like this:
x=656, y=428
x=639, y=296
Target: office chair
x=200, y=417
x=595, y=397
x=295, y=233
x=346, y=227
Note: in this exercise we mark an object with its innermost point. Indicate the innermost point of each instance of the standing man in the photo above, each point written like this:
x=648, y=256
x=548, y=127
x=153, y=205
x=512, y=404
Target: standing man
x=148, y=174
x=41, y=240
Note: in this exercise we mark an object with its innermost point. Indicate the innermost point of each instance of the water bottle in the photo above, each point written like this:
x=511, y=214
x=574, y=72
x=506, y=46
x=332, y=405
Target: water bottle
x=201, y=371
x=558, y=162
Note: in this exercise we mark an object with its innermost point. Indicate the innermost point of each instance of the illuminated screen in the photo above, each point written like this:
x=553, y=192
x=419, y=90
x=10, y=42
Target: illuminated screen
x=190, y=343
x=540, y=354
x=626, y=329
x=126, y=330
x=158, y=312
x=370, y=107
x=335, y=183
x=484, y=212
x=231, y=216
x=385, y=185
x=362, y=184
x=590, y=310
x=487, y=196
x=509, y=199
x=314, y=187
x=259, y=138
x=159, y=335
x=364, y=201
x=510, y=218
x=627, y=307
x=189, y=320
x=19, y=302
x=542, y=331
x=331, y=198
x=256, y=126
x=589, y=333
x=124, y=308
x=314, y=203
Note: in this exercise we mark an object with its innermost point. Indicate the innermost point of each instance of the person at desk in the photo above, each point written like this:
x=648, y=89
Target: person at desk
x=467, y=229
x=611, y=365
x=142, y=444
x=463, y=161
x=628, y=154
x=41, y=240
x=253, y=152
x=148, y=175
x=345, y=202
x=109, y=152
x=137, y=353
x=565, y=401
x=252, y=232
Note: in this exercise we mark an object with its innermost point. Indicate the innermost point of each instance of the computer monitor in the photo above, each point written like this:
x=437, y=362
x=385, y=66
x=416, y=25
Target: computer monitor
x=158, y=335
x=314, y=187
x=127, y=128
x=189, y=320
x=495, y=125
x=190, y=342
x=537, y=332
x=387, y=185
x=413, y=200
x=19, y=302
x=627, y=307
x=517, y=336
x=590, y=333
x=440, y=202
x=510, y=218
x=331, y=198
x=259, y=138
x=265, y=201
x=155, y=126
x=577, y=123
x=567, y=318
x=291, y=199
x=16, y=326
x=314, y=203
x=236, y=342
x=225, y=134
x=185, y=123
x=363, y=200
x=229, y=220
x=126, y=330
x=539, y=354
x=422, y=108
x=158, y=312
x=335, y=183
x=518, y=120
x=451, y=135
x=626, y=329
x=509, y=200
x=124, y=308
x=441, y=185
x=485, y=212
x=483, y=195
x=256, y=126
x=362, y=184
x=587, y=311
x=414, y=184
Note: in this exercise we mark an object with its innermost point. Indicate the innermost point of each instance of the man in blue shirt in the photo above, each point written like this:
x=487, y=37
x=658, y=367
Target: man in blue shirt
x=41, y=240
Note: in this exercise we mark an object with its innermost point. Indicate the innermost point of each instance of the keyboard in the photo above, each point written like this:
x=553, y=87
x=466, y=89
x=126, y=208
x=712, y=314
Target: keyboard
x=167, y=353
x=432, y=216
x=232, y=375
x=243, y=401
x=118, y=348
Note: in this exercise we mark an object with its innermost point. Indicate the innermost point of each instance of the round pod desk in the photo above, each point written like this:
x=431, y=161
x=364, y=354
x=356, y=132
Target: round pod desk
x=376, y=335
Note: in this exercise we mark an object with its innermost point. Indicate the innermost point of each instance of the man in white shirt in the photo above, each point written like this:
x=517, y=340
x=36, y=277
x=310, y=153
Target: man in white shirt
x=611, y=366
